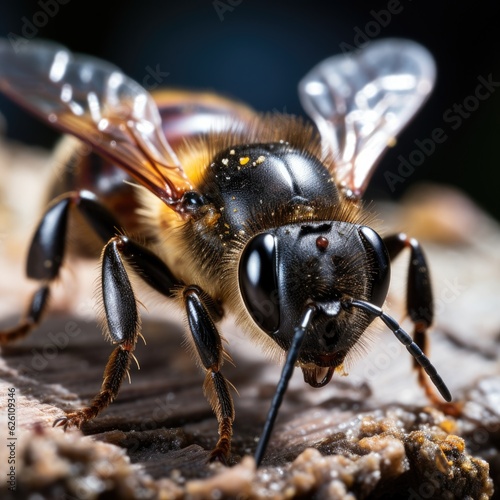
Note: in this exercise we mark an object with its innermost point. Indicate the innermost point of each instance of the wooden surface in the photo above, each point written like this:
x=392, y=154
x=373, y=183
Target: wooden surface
x=369, y=435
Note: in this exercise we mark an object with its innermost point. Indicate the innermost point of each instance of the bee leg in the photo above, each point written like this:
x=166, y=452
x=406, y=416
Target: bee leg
x=208, y=344
x=122, y=316
x=46, y=252
x=419, y=301
x=123, y=324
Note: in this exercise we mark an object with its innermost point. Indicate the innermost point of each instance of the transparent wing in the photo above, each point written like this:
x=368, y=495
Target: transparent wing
x=97, y=103
x=361, y=101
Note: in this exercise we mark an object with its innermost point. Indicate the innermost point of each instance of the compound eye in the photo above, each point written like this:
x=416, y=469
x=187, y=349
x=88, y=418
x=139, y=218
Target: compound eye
x=379, y=263
x=259, y=281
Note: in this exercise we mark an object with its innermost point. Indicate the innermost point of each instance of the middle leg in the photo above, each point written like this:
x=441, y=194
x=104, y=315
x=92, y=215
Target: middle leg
x=208, y=346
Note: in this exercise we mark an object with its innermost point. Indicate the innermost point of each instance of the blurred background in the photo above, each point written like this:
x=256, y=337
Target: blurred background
x=257, y=51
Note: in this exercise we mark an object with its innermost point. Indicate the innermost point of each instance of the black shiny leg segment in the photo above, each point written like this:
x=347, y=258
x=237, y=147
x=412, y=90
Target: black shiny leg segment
x=208, y=344
x=122, y=316
x=419, y=300
x=47, y=250
x=46, y=256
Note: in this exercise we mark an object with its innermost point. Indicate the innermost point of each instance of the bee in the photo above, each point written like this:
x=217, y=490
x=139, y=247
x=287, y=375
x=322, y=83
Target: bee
x=229, y=211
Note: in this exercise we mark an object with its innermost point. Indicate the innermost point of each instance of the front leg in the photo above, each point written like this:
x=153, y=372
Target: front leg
x=208, y=346
x=122, y=316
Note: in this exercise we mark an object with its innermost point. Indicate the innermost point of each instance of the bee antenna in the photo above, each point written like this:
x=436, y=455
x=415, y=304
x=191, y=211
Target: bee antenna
x=405, y=339
x=286, y=373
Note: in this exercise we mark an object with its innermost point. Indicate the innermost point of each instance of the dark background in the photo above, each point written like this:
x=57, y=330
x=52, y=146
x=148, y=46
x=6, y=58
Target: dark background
x=257, y=51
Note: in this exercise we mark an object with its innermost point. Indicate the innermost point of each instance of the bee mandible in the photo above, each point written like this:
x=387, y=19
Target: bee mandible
x=230, y=211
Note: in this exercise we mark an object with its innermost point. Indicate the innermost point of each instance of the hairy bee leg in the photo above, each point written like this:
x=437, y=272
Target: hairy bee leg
x=419, y=301
x=122, y=316
x=209, y=348
x=47, y=249
x=123, y=324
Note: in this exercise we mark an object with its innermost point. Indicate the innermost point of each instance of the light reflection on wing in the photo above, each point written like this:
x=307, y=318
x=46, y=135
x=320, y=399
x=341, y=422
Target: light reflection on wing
x=97, y=103
x=360, y=102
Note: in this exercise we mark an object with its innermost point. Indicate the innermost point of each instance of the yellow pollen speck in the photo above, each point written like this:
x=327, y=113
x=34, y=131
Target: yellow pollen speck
x=225, y=161
x=231, y=152
x=235, y=210
x=244, y=160
x=260, y=160
x=211, y=217
x=340, y=370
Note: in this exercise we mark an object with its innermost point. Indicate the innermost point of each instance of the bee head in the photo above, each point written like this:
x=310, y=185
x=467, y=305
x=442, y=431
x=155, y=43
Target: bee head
x=324, y=264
